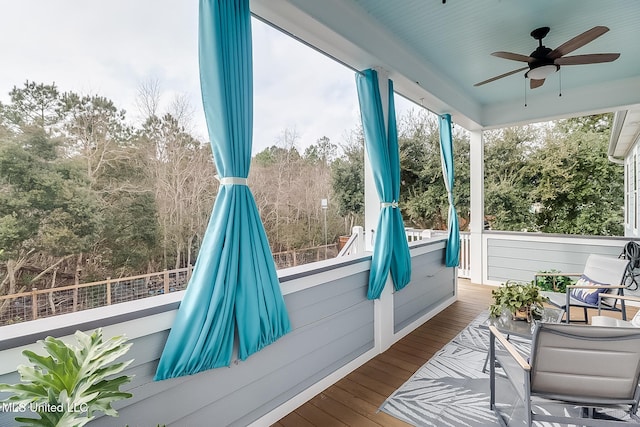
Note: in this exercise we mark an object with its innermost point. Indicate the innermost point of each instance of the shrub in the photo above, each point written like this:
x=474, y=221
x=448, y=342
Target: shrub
x=546, y=283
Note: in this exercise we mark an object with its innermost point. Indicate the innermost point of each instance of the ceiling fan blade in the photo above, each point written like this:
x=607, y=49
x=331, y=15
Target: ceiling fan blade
x=593, y=58
x=513, y=56
x=536, y=83
x=501, y=76
x=577, y=42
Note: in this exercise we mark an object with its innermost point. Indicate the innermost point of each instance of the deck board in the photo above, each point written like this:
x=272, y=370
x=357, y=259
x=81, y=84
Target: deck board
x=355, y=399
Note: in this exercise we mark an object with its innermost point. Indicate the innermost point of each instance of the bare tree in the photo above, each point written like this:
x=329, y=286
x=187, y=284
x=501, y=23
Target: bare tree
x=95, y=130
x=288, y=189
x=182, y=172
x=183, y=111
x=148, y=99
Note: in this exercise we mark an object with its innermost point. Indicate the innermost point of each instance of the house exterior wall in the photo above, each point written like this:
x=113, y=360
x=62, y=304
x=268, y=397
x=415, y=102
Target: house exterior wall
x=631, y=193
x=333, y=334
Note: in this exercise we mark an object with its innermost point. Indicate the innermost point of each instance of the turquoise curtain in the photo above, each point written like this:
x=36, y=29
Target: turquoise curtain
x=446, y=155
x=234, y=284
x=390, y=249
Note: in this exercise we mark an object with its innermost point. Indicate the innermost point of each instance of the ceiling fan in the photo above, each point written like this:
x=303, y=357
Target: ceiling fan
x=543, y=61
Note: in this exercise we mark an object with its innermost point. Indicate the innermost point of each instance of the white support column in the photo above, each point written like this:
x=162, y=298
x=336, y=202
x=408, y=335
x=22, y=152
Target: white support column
x=383, y=307
x=477, y=206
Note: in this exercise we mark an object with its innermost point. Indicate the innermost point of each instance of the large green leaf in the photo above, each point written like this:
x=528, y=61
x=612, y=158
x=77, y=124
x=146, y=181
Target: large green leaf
x=76, y=377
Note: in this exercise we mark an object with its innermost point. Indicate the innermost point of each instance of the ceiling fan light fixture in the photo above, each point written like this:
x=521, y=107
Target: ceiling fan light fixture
x=543, y=61
x=542, y=72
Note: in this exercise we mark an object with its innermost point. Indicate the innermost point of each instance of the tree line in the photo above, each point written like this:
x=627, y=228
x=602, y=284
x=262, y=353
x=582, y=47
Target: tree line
x=85, y=194
x=554, y=178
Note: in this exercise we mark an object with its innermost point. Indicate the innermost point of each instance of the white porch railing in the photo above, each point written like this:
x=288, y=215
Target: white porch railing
x=513, y=255
x=464, y=268
x=355, y=245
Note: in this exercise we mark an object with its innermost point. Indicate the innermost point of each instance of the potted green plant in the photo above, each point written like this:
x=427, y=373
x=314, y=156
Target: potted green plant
x=523, y=300
x=69, y=385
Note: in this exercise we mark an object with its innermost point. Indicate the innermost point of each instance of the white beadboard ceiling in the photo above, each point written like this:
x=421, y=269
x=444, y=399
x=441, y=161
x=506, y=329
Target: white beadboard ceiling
x=436, y=52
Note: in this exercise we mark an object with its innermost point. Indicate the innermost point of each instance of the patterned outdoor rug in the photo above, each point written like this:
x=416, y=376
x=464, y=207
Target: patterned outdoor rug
x=451, y=390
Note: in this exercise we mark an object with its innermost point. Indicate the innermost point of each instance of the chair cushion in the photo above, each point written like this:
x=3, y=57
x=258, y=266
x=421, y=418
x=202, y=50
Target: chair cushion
x=589, y=296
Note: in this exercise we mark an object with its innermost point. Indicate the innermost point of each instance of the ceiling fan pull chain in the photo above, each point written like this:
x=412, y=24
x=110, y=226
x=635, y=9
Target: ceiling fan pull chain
x=560, y=80
x=525, y=91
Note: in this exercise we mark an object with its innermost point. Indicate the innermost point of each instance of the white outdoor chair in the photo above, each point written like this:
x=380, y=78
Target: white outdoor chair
x=601, y=274
x=600, y=320
x=577, y=365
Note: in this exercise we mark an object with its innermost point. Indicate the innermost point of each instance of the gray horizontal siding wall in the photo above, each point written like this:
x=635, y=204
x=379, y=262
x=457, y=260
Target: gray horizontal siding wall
x=431, y=284
x=520, y=259
x=332, y=325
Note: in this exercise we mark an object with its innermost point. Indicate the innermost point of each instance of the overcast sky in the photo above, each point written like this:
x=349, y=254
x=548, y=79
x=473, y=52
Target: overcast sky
x=110, y=47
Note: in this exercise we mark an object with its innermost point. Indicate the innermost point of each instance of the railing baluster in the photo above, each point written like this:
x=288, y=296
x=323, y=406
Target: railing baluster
x=34, y=303
x=108, y=290
x=165, y=281
x=75, y=291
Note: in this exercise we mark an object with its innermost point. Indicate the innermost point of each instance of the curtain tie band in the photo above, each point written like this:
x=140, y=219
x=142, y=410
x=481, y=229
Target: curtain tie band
x=393, y=204
x=231, y=180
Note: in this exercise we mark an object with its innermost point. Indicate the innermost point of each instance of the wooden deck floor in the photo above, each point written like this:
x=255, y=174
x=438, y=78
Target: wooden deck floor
x=354, y=400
